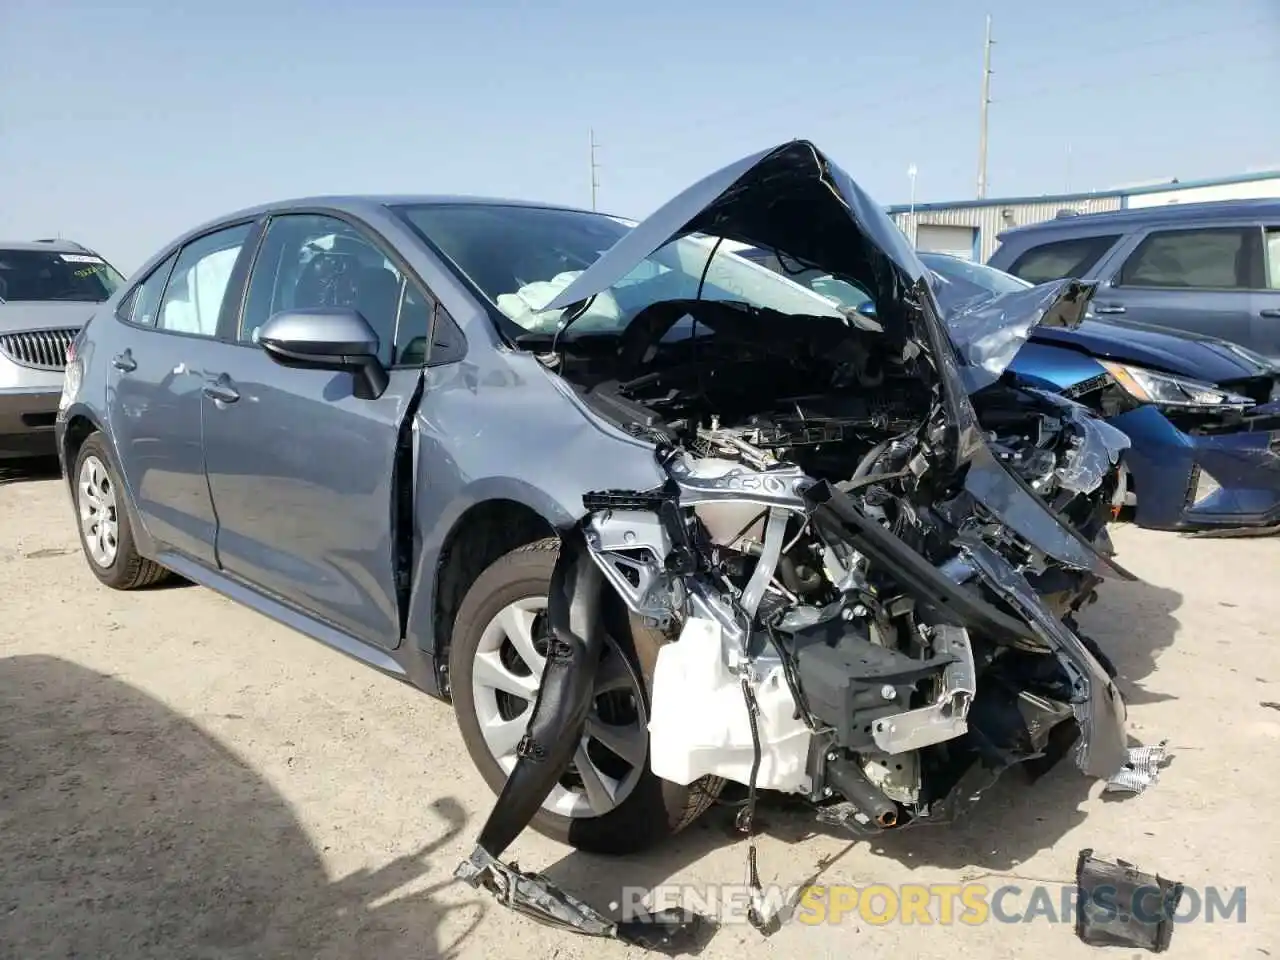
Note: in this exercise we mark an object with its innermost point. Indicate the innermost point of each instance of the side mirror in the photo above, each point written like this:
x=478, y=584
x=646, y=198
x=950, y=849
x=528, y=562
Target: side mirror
x=327, y=338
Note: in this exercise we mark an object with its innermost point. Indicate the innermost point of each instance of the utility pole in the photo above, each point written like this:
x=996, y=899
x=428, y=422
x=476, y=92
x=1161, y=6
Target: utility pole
x=595, y=182
x=911, y=172
x=986, y=100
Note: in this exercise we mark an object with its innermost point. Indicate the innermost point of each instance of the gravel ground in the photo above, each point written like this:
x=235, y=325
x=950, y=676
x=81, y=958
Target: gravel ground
x=180, y=777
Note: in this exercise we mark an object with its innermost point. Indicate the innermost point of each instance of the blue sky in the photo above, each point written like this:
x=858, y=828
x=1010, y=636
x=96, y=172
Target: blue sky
x=121, y=126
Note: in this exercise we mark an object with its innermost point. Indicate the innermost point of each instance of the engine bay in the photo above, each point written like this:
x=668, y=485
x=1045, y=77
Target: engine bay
x=860, y=562
x=762, y=388
x=857, y=686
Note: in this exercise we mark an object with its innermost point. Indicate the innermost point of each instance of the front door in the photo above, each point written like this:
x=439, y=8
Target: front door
x=300, y=469
x=1267, y=301
x=1199, y=279
x=155, y=389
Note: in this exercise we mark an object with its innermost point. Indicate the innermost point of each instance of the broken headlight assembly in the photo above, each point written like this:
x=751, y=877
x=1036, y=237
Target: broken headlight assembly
x=1165, y=390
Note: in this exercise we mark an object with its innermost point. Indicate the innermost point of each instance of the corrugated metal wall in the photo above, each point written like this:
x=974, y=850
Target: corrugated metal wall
x=991, y=220
x=1252, y=190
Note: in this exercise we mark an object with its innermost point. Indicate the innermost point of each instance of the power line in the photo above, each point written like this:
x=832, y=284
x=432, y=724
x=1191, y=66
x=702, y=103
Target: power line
x=857, y=85
x=1110, y=83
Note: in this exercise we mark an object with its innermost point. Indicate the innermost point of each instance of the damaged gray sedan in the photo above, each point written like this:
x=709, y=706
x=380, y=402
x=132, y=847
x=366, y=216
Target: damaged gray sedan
x=657, y=519
x=844, y=576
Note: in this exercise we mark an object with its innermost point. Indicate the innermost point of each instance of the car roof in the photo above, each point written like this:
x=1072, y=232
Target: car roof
x=48, y=246
x=1142, y=216
x=362, y=205
x=356, y=202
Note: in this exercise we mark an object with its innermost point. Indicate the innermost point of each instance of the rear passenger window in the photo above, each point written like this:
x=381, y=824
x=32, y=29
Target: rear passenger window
x=193, y=298
x=1213, y=259
x=142, y=305
x=1273, y=258
x=1062, y=259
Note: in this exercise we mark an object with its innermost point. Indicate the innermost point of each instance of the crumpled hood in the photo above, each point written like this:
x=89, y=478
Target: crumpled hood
x=793, y=200
x=990, y=331
x=19, y=315
x=1203, y=358
x=789, y=198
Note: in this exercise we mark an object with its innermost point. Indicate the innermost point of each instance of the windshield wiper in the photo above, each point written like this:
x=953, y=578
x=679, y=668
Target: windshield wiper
x=588, y=344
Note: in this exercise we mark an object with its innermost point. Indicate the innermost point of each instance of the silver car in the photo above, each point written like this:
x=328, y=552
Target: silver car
x=48, y=289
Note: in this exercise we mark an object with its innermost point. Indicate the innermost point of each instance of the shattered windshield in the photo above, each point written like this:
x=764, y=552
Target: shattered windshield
x=521, y=257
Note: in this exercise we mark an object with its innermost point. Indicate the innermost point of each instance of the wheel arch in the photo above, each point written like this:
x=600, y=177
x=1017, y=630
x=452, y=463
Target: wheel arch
x=80, y=425
x=483, y=532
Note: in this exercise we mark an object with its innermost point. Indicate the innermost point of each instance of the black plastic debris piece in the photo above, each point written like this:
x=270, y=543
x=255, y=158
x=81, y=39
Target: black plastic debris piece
x=1120, y=906
x=673, y=932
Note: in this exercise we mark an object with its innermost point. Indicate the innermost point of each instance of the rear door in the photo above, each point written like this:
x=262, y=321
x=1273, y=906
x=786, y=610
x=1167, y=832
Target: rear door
x=1267, y=301
x=1200, y=279
x=154, y=383
x=301, y=470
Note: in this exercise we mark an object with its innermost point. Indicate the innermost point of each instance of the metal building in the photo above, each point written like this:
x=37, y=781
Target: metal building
x=970, y=228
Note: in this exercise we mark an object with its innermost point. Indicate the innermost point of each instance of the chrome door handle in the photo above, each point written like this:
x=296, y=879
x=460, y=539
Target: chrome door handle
x=1111, y=308
x=221, y=389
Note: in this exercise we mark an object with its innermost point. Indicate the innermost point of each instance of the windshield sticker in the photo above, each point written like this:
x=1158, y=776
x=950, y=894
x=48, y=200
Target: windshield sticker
x=80, y=258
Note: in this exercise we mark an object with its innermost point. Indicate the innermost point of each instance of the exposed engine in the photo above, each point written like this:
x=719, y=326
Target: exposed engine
x=866, y=545
x=858, y=690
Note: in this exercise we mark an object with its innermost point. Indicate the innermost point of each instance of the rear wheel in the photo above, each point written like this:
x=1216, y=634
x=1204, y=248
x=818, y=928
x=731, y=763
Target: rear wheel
x=106, y=535
x=609, y=801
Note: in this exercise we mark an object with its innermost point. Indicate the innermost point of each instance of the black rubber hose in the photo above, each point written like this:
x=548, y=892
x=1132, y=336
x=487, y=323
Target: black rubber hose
x=869, y=461
x=564, y=696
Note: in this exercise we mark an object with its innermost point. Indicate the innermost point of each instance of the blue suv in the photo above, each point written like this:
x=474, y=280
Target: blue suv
x=1210, y=268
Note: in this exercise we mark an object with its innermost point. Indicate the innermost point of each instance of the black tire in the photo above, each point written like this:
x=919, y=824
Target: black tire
x=128, y=569
x=656, y=809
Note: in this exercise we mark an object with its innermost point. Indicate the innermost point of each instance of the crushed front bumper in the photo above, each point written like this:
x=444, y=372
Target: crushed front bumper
x=1098, y=709
x=1226, y=479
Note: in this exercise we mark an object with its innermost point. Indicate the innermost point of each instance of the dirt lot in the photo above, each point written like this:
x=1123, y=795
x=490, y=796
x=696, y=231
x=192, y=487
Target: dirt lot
x=183, y=778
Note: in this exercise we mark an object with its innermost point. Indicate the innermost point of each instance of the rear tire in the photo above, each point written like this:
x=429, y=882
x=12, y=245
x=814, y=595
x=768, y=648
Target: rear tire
x=106, y=536
x=648, y=809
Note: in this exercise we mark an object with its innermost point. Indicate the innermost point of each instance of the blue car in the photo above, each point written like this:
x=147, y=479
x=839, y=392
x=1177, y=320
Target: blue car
x=1203, y=414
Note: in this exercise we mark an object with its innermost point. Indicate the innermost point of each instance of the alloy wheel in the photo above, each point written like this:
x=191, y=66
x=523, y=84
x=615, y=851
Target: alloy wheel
x=96, y=502
x=613, y=751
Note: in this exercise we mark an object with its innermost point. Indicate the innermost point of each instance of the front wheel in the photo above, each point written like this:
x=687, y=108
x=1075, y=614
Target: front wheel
x=608, y=801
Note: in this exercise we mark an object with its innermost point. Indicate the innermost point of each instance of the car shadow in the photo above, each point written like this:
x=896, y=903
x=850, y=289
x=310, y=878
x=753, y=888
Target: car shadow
x=1133, y=622
x=1012, y=822
x=30, y=470
x=128, y=831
